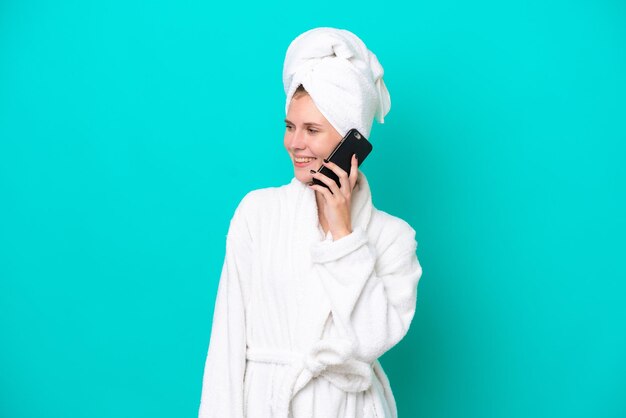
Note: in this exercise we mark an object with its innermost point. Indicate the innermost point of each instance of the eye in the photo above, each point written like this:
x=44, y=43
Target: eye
x=289, y=127
x=311, y=130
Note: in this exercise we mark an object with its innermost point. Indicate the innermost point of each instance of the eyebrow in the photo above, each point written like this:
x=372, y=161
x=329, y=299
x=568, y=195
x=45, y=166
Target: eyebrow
x=305, y=123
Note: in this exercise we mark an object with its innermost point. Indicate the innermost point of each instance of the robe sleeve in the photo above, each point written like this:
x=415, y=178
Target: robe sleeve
x=372, y=295
x=222, y=384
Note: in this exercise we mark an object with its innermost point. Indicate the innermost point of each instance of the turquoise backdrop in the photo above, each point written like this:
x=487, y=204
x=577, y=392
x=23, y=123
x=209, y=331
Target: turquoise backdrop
x=129, y=130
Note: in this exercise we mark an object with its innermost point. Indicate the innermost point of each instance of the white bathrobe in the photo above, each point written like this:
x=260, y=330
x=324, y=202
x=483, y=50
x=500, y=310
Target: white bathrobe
x=300, y=320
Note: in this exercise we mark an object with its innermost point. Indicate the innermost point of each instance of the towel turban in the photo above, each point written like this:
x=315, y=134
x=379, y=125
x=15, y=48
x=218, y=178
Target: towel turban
x=342, y=76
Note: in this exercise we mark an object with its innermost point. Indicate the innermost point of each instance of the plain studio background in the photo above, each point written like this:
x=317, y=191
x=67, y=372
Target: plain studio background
x=130, y=130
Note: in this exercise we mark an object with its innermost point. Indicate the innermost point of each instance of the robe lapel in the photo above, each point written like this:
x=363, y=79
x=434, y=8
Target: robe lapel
x=305, y=208
x=314, y=306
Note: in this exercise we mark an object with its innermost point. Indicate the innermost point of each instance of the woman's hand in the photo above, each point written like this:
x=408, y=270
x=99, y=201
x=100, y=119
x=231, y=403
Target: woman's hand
x=337, y=204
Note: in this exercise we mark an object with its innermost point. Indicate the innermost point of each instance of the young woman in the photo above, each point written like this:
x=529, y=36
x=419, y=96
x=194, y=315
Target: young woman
x=317, y=283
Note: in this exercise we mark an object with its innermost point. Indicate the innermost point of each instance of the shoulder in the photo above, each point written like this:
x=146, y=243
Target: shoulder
x=258, y=203
x=391, y=234
x=257, y=199
x=256, y=207
x=389, y=225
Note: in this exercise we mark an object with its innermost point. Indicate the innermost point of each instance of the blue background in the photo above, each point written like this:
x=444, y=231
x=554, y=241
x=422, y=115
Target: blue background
x=129, y=130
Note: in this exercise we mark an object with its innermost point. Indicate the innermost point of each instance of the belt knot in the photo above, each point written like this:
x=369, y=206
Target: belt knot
x=332, y=363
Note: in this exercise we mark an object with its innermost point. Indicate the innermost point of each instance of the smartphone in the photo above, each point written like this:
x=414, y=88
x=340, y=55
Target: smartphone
x=353, y=143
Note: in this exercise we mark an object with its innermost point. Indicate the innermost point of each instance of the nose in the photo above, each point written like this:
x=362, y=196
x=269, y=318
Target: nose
x=297, y=140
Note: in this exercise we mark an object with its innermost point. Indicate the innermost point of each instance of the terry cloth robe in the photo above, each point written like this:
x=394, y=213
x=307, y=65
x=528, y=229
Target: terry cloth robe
x=300, y=319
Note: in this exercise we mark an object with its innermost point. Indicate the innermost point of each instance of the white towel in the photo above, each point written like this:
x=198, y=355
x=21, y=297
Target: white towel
x=342, y=76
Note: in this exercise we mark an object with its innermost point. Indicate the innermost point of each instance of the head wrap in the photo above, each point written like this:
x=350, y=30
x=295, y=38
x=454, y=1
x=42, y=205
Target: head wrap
x=342, y=76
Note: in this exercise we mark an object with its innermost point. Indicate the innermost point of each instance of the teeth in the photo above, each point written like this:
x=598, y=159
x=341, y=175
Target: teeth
x=304, y=160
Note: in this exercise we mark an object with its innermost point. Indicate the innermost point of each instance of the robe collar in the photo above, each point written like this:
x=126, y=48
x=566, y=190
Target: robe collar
x=305, y=215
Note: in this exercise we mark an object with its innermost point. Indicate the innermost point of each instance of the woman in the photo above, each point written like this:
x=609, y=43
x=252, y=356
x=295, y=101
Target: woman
x=317, y=283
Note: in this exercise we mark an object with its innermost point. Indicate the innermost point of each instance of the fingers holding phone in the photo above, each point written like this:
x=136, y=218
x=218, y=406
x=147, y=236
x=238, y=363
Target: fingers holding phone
x=343, y=157
x=346, y=182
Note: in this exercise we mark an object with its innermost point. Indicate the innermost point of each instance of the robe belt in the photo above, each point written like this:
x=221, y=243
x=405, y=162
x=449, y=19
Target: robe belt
x=347, y=374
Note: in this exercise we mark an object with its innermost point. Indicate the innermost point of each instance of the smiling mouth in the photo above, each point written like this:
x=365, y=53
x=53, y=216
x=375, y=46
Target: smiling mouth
x=303, y=160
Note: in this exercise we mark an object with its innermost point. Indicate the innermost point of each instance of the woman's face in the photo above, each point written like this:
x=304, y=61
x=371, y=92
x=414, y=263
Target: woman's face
x=309, y=137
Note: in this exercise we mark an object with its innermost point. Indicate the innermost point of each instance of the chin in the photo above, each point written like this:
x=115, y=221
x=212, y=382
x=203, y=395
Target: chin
x=302, y=177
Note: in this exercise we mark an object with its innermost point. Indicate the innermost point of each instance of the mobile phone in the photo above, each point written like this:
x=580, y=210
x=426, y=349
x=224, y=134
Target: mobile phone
x=353, y=143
